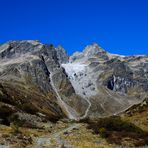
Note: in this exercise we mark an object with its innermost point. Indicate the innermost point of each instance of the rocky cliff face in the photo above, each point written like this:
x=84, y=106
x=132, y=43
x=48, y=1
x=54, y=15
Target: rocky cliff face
x=62, y=55
x=32, y=80
x=42, y=80
x=111, y=83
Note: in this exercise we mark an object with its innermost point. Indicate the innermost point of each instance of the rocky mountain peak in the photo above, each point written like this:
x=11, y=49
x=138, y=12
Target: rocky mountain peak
x=62, y=55
x=93, y=50
x=17, y=48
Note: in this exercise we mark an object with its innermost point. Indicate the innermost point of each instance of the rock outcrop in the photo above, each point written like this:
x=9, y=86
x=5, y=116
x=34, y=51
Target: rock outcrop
x=62, y=55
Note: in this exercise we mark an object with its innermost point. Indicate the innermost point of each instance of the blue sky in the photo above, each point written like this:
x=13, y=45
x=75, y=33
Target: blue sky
x=119, y=26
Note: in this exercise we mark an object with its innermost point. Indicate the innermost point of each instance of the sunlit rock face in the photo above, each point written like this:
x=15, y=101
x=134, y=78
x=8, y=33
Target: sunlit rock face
x=40, y=79
x=90, y=53
x=62, y=55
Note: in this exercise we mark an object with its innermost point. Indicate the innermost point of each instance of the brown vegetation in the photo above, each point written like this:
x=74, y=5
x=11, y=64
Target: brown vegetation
x=118, y=131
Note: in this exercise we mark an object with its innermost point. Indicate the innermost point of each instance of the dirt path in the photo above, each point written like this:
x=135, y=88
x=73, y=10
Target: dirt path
x=46, y=141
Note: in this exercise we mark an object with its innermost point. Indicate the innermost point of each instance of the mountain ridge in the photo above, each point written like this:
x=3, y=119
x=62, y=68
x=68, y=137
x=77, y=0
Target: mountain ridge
x=92, y=83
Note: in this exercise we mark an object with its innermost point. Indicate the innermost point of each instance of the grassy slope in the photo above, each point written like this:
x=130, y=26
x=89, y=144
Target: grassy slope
x=138, y=115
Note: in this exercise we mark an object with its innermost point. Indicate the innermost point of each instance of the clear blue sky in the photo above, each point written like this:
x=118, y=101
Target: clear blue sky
x=119, y=26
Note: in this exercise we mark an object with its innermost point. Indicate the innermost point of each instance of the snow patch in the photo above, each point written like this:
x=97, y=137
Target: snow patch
x=81, y=78
x=74, y=68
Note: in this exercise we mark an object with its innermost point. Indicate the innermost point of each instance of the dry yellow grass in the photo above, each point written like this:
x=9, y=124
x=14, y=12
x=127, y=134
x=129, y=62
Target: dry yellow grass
x=138, y=115
x=139, y=119
x=84, y=138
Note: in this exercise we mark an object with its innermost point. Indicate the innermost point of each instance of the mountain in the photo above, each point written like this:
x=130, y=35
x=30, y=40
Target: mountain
x=111, y=83
x=40, y=80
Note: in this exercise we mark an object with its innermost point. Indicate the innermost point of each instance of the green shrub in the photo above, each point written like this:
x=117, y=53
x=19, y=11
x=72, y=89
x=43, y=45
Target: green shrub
x=103, y=132
x=5, y=112
x=115, y=130
x=116, y=124
x=15, y=128
x=63, y=146
x=29, y=108
x=16, y=123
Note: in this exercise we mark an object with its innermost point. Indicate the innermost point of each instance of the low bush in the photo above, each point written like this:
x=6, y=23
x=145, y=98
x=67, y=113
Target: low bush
x=29, y=108
x=5, y=112
x=113, y=124
x=16, y=123
x=103, y=132
x=114, y=129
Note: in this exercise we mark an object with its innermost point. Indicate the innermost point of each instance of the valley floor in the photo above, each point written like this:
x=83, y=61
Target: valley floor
x=60, y=135
x=69, y=134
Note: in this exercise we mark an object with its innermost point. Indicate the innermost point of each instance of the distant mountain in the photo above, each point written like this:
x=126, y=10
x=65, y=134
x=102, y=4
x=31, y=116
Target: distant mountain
x=44, y=81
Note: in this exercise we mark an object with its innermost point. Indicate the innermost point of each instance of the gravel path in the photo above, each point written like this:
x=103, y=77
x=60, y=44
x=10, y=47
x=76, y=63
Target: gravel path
x=46, y=141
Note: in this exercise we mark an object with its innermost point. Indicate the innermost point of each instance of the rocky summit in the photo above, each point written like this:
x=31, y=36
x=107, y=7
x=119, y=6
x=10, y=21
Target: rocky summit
x=43, y=81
